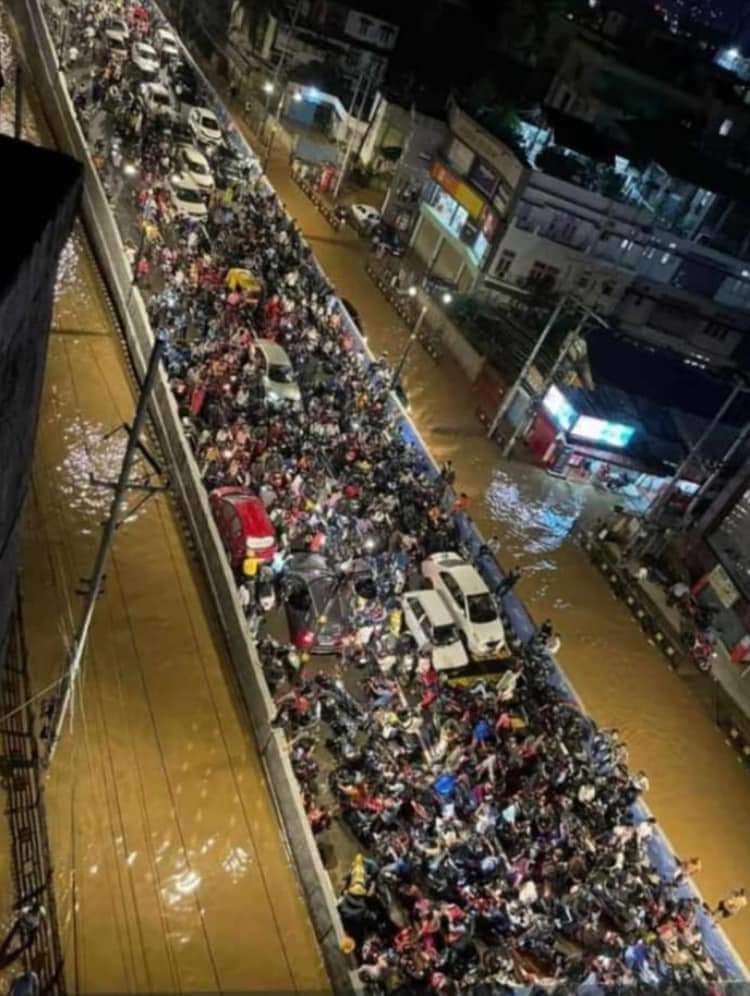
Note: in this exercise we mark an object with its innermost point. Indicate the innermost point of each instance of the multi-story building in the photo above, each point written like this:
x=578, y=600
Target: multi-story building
x=349, y=39
x=564, y=211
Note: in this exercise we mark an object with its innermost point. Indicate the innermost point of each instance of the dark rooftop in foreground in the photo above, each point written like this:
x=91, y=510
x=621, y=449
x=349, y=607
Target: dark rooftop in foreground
x=41, y=179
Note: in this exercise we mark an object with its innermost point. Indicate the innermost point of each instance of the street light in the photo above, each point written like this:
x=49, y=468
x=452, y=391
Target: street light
x=297, y=98
x=446, y=298
x=268, y=87
x=412, y=292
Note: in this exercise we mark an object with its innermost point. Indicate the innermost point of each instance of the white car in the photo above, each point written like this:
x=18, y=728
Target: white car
x=117, y=43
x=365, y=217
x=469, y=602
x=204, y=126
x=167, y=44
x=187, y=197
x=278, y=374
x=145, y=58
x=195, y=165
x=429, y=622
x=157, y=100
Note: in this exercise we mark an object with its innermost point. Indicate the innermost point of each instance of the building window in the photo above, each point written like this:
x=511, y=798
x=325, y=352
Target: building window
x=543, y=276
x=504, y=262
x=726, y=126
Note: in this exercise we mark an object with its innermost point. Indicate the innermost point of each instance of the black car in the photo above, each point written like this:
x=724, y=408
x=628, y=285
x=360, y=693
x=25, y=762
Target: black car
x=325, y=608
x=390, y=239
x=229, y=168
x=185, y=84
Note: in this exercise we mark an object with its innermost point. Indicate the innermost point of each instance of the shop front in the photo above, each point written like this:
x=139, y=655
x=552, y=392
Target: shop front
x=587, y=450
x=455, y=230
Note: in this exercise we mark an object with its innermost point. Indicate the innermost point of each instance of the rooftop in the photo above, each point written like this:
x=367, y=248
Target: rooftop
x=50, y=176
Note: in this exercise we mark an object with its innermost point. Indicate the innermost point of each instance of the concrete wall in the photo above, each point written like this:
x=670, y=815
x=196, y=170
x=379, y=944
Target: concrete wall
x=193, y=499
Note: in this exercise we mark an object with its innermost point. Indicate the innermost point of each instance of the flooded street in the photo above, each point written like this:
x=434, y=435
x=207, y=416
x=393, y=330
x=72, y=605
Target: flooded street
x=171, y=874
x=699, y=791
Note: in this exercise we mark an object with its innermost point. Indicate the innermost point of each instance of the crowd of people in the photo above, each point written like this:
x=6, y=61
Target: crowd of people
x=491, y=831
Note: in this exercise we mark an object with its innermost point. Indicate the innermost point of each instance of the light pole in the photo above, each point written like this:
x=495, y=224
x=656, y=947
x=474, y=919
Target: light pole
x=65, y=696
x=511, y=394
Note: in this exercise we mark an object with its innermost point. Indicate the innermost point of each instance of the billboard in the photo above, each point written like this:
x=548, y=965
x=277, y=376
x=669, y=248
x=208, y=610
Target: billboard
x=596, y=430
x=560, y=410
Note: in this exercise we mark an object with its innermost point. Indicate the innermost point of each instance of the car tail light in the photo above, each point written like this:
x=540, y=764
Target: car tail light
x=305, y=639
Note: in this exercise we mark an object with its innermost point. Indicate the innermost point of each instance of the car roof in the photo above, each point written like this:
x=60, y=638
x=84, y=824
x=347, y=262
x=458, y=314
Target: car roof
x=143, y=44
x=192, y=153
x=156, y=87
x=253, y=514
x=185, y=180
x=467, y=577
x=309, y=565
x=433, y=605
x=273, y=352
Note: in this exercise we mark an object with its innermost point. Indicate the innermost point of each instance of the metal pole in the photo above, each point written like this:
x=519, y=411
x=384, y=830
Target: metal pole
x=407, y=348
x=67, y=686
x=703, y=489
x=350, y=143
x=511, y=394
x=18, y=118
x=522, y=427
x=279, y=66
x=664, y=497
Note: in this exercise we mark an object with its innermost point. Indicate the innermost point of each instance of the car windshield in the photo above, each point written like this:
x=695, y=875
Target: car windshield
x=281, y=373
x=145, y=52
x=187, y=194
x=209, y=122
x=481, y=608
x=444, y=636
x=160, y=98
x=197, y=166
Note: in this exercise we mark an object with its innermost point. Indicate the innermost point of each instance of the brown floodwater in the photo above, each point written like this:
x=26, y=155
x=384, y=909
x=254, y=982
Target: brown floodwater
x=170, y=868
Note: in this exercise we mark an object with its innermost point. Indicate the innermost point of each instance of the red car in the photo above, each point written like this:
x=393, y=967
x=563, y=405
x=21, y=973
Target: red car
x=243, y=522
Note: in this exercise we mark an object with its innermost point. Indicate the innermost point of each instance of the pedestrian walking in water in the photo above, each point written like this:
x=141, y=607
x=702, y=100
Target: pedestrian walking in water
x=735, y=902
x=508, y=583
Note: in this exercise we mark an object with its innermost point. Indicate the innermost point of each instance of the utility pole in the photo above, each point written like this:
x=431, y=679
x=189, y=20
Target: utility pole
x=739, y=441
x=669, y=490
x=401, y=160
x=511, y=394
x=121, y=487
x=353, y=112
x=522, y=426
x=270, y=86
x=407, y=348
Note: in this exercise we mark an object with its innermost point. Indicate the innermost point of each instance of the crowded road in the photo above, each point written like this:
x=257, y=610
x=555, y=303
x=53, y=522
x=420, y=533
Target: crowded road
x=171, y=871
x=697, y=785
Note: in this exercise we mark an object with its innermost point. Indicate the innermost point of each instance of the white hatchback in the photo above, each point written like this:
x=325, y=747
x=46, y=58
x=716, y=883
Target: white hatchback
x=195, y=165
x=187, y=197
x=430, y=623
x=469, y=602
x=145, y=59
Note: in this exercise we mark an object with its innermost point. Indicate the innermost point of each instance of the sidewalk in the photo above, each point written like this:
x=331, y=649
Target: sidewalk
x=723, y=691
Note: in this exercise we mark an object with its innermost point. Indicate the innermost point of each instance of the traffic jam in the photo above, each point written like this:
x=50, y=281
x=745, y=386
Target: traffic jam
x=486, y=834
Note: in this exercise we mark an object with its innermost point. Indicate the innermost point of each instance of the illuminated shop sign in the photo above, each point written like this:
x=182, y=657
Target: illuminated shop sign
x=598, y=431
x=560, y=410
